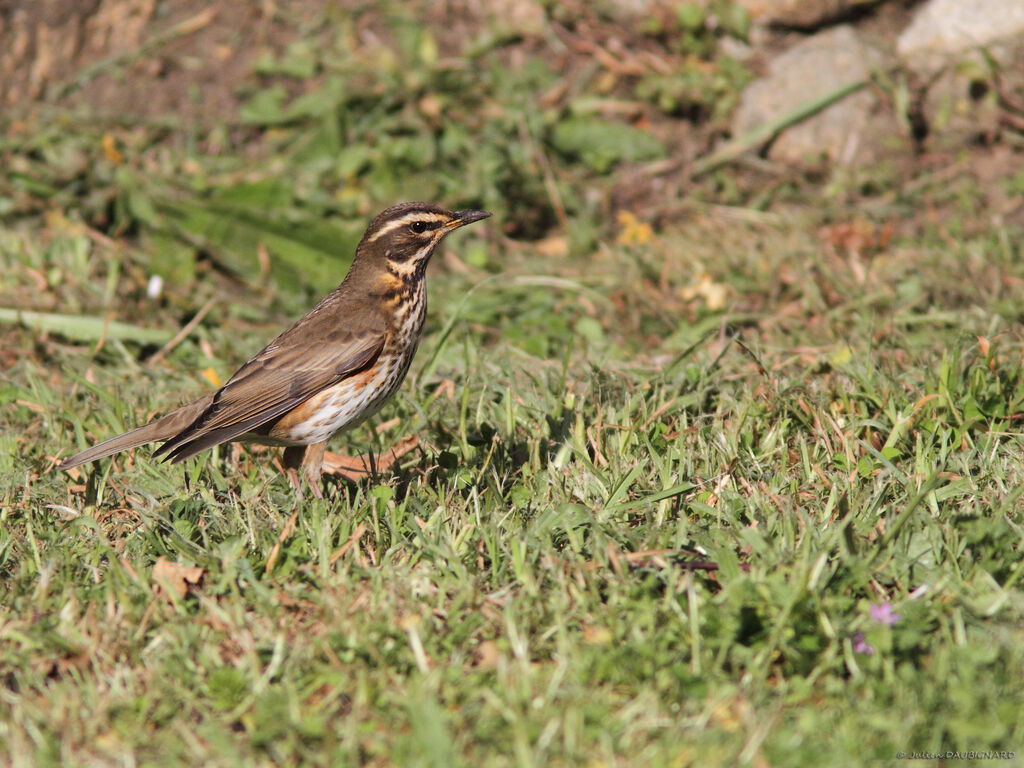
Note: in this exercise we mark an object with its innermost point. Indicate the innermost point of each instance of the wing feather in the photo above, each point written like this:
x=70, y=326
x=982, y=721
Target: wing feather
x=284, y=375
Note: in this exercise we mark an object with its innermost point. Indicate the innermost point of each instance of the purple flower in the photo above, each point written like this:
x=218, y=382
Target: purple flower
x=882, y=613
x=860, y=645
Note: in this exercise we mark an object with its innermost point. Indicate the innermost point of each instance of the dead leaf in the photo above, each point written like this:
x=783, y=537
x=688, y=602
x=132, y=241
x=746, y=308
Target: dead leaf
x=984, y=345
x=593, y=635
x=174, y=579
x=353, y=540
x=446, y=388
x=358, y=467
x=714, y=294
x=431, y=106
x=384, y=426
x=110, y=151
x=487, y=655
x=555, y=247
x=286, y=531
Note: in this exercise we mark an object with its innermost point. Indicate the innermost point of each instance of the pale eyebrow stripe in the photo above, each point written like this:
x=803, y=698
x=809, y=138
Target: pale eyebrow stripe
x=409, y=218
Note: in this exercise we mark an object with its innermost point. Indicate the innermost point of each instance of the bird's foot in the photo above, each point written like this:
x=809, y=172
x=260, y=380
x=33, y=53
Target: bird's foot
x=311, y=458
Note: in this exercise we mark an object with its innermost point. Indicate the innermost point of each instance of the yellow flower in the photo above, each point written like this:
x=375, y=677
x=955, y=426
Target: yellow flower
x=110, y=150
x=714, y=294
x=634, y=231
x=211, y=376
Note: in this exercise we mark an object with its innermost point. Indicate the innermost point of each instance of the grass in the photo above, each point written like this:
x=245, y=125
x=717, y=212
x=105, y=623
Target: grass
x=826, y=410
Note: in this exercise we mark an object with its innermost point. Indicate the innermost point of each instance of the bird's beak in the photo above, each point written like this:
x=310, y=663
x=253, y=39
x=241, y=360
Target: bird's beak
x=462, y=218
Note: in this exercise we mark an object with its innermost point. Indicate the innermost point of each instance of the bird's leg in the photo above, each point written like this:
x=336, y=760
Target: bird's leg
x=314, y=462
x=292, y=460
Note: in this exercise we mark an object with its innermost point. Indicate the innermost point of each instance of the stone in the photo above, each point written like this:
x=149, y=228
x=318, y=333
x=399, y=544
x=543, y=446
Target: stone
x=801, y=14
x=958, y=48
x=942, y=31
x=854, y=130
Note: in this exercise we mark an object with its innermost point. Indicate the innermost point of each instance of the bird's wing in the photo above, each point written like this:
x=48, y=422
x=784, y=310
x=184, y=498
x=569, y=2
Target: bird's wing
x=285, y=374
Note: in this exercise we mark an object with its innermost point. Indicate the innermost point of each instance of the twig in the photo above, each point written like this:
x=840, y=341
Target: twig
x=758, y=136
x=757, y=361
x=550, y=185
x=182, y=334
x=353, y=541
x=286, y=531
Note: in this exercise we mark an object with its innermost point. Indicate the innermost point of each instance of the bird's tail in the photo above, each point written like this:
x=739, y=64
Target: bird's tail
x=163, y=428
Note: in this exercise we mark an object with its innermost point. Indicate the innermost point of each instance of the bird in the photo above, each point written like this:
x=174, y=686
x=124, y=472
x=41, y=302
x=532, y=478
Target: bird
x=331, y=370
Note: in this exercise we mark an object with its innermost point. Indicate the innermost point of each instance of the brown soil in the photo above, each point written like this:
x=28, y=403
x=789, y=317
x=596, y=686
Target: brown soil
x=192, y=61
x=139, y=58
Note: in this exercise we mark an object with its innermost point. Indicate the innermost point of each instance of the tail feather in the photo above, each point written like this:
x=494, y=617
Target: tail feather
x=163, y=428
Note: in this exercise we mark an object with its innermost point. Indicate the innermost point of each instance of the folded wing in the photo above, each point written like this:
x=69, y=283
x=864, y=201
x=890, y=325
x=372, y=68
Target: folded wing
x=284, y=375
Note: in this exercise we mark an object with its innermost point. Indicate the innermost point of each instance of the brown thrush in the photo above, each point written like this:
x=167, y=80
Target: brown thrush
x=331, y=370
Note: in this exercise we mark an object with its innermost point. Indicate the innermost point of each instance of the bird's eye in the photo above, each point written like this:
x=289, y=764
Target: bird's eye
x=419, y=227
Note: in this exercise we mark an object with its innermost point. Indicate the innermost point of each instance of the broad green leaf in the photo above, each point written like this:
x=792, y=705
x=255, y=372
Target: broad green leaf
x=270, y=192
x=265, y=107
x=602, y=143
x=298, y=61
x=308, y=253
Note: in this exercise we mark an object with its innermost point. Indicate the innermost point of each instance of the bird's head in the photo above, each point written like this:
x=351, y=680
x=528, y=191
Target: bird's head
x=402, y=238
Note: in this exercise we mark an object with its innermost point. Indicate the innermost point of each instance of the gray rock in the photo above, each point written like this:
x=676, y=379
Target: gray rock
x=953, y=46
x=855, y=130
x=944, y=30
x=801, y=14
